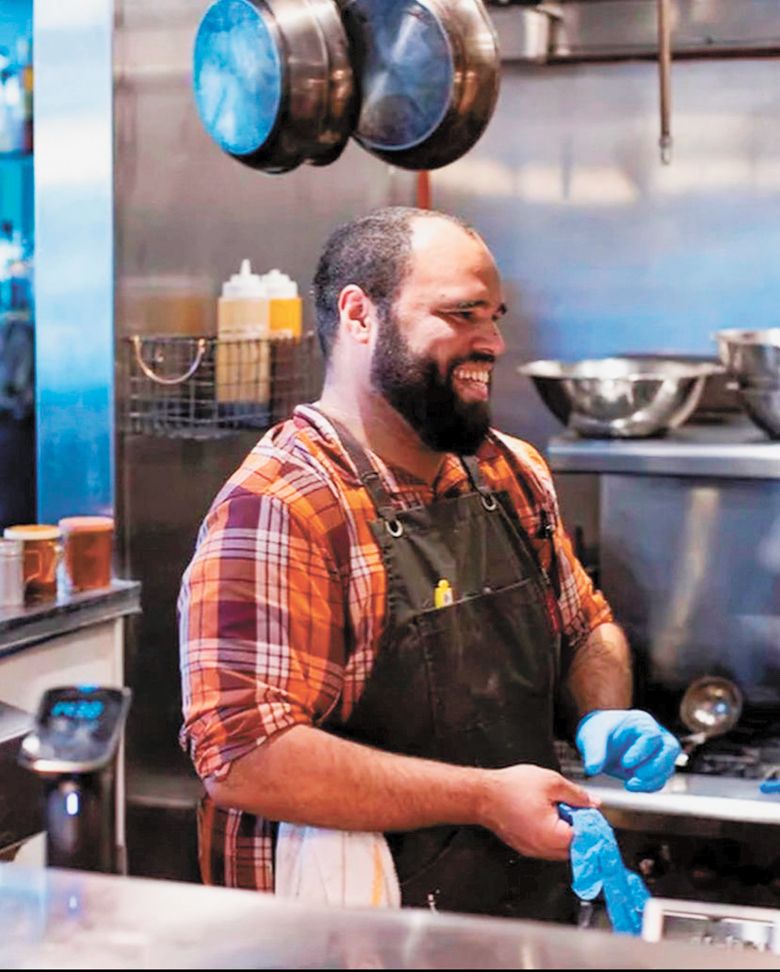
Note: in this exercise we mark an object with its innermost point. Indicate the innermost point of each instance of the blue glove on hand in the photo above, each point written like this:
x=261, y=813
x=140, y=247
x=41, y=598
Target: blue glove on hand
x=597, y=866
x=628, y=744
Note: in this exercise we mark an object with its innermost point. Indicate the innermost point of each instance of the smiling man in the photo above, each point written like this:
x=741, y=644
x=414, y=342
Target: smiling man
x=384, y=610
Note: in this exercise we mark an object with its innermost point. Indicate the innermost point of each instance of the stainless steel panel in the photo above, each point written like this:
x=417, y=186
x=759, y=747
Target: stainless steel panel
x=74, y=230
x=629, y=28
x=603, y=250
x=691, y=567
x=104, y=921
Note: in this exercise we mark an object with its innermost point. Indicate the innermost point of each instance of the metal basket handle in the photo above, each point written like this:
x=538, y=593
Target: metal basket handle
x=180, y=379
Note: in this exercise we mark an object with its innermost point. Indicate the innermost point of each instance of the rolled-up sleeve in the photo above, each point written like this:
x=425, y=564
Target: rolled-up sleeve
x=261, y=629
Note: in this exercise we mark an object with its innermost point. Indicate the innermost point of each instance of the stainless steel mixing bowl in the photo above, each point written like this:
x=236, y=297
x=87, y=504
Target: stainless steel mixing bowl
x=753, y=357
x=763, y=407
x=620, y=397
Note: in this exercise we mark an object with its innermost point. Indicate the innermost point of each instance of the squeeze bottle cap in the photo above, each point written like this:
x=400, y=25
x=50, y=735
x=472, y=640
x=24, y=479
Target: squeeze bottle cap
x=246, y=285
x=279, y=286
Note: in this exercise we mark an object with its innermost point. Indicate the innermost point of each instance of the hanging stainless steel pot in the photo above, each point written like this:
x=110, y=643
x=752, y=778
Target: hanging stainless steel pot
x=428, y=77
x=273, y=82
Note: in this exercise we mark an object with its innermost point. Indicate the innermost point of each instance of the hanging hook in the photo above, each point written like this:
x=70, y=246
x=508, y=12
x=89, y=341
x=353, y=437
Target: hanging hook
x=665, y=70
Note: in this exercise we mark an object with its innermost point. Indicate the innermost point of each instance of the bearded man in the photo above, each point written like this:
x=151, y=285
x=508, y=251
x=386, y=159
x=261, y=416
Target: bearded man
x=384, y=612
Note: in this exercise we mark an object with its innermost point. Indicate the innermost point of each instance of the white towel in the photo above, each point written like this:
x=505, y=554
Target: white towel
x=335, y=867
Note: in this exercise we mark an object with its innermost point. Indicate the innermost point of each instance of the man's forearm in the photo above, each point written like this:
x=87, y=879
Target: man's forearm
x=600, y=672
x=305, y=775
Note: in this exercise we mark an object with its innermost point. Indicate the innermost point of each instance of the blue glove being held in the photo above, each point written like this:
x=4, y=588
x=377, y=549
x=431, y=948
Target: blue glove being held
x=628, y=744
x=597, y=867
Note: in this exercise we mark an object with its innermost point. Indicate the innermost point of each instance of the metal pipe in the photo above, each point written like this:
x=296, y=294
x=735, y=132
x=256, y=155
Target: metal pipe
x=664, y=69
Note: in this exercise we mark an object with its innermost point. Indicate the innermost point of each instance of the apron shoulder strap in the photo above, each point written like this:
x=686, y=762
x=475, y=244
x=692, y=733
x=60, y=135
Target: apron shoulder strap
x=369, y=477
x=477, y=481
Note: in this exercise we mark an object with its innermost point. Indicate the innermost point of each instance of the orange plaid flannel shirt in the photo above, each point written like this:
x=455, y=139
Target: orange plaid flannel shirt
x=283, y=605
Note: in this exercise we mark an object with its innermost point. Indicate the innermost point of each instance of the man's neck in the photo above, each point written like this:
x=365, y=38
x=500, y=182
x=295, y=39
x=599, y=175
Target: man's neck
x=378, y=427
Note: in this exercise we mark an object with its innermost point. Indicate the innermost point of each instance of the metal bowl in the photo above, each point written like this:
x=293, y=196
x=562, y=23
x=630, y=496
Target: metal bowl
x=751, y=356
x=620, y=397
x=763, y=407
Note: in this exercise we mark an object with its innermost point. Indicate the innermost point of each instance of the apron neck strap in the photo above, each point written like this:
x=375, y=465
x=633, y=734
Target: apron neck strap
x=369, y=477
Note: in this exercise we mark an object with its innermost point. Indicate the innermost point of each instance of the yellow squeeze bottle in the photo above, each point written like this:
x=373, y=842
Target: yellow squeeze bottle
x=285, y=305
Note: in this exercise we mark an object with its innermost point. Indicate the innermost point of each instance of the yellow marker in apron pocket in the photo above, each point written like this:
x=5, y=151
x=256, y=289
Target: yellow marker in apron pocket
x=443, y=594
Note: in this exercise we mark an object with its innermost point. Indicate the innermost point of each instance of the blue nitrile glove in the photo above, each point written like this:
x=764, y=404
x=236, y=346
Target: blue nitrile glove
x=771, y=784
x=597, y=866
x=628, y=744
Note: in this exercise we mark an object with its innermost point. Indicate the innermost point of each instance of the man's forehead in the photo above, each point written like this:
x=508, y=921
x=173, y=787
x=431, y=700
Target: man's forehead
x=452, y=261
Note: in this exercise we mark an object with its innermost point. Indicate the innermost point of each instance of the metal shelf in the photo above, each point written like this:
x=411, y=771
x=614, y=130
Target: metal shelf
x=735, y=450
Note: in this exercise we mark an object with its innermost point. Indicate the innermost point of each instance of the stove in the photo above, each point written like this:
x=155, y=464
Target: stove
x=733, y=758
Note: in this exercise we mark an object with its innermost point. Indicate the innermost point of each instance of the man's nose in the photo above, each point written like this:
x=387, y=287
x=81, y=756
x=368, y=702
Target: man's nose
x=490, y=339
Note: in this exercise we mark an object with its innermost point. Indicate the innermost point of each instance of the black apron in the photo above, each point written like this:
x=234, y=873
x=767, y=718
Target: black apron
x=470, y=683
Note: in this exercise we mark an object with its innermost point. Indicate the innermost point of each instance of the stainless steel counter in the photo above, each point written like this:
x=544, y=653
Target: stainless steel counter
x=734, y=449
x=70, y=919
x=29, y=625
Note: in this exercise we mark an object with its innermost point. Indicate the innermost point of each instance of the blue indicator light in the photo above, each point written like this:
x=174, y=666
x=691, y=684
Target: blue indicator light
x=72, y=804
x=84, y=710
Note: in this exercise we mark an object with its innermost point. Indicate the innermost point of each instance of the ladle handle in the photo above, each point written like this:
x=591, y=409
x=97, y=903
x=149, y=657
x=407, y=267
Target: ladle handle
x=689, y=743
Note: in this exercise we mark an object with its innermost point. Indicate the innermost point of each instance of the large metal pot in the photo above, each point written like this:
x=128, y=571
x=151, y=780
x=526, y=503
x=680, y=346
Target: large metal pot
x=273, y=81
x=428, y=77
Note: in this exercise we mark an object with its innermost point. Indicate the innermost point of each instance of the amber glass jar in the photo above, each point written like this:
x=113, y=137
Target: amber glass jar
x=89, y=543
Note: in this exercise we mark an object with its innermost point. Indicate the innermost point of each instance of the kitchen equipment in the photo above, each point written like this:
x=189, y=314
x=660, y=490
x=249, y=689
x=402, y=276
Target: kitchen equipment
x=73, y=747
x=243, y=355
x=20, y=793
x=664, y=78
x=42, y=554
x=711, y=706
x=273, y=83
x=428, y=73
x=753, y=357
x=171, y=384
x=763, y=407
x=11, y=573
x=621, y=397
x=89, y=544
x=707, y=923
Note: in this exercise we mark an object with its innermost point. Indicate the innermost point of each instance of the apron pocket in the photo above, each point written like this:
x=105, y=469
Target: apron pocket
x=488, y=654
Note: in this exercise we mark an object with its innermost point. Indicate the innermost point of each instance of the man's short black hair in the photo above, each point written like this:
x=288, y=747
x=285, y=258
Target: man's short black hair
x=374, y=253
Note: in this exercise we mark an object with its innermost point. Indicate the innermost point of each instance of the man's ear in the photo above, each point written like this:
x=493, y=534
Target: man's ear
x=356, y=312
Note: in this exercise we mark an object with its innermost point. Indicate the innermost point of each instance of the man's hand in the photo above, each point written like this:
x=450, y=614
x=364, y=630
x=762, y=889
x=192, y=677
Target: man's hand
x=520, y=805
x=628, y=744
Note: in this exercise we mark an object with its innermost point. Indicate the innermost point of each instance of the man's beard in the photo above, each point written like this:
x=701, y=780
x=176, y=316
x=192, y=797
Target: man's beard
x=413, y=386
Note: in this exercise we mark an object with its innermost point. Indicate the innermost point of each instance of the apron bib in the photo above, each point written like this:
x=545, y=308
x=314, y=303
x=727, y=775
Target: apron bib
x=471, y=683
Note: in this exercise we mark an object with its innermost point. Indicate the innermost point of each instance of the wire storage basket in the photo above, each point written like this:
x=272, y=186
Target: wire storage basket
x=207, y=387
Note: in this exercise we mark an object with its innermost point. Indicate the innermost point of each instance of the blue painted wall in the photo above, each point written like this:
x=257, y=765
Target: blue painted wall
x=16, y=178
x=15, y=20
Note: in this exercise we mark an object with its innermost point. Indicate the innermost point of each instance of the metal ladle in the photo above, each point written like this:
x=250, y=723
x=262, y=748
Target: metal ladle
x=710, y=707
